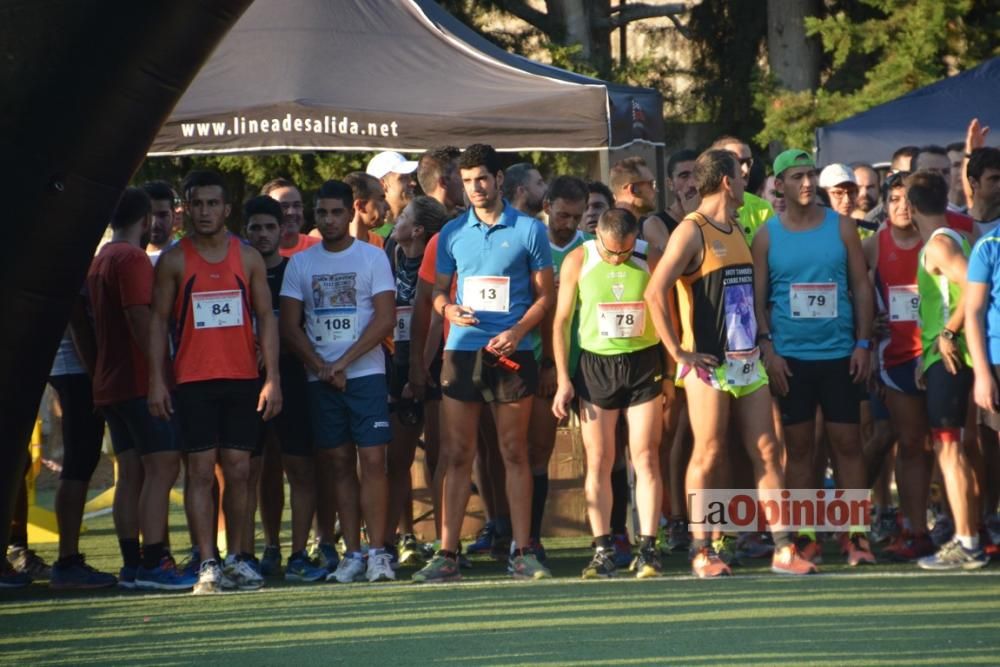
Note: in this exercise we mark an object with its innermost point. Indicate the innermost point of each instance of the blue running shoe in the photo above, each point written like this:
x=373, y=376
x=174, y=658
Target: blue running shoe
x=73, y=573
x=301, y=569
x=192, y=564
x=329, y=559
x=270, y=561
x=11, y=578
x=484, y=541
x=622, y=550
x=126, y=578
x=164, y=577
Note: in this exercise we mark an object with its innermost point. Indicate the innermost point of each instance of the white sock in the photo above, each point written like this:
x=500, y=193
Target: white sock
x=970, y=543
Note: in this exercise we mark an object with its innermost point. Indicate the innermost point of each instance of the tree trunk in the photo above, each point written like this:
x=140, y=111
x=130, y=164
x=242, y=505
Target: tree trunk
x=579, y=20
x=793, y=58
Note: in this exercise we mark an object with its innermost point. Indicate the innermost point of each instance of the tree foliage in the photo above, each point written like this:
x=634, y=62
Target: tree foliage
x=875, y=51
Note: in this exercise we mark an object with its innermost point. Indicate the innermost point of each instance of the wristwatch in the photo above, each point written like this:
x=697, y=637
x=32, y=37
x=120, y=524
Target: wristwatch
x=765, y=336
x=948, y=334
x=863, y=344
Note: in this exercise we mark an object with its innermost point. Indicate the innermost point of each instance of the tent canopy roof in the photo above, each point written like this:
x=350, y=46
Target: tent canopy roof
x=935, y=114
x=399, y=74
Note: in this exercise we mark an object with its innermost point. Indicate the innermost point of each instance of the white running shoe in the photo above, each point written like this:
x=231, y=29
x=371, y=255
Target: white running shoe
x=349, y=570
x=209, y=578
x=239, y=574
x=380, y=568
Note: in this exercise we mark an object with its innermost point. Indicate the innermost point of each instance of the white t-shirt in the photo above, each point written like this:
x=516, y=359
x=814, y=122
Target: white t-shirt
x=984, y=227
x=336, y=290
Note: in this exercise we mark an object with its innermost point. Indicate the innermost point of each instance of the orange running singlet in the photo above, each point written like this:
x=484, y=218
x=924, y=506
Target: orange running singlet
x=214, y=329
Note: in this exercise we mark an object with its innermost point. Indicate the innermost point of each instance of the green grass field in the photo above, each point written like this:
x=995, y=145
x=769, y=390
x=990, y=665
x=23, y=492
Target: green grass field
x=881, y=615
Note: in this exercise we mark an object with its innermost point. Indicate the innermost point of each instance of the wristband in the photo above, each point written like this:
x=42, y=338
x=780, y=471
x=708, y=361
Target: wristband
x=863, y=344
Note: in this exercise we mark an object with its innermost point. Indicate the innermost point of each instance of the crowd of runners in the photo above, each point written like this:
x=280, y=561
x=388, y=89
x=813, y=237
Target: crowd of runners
x=807, y=329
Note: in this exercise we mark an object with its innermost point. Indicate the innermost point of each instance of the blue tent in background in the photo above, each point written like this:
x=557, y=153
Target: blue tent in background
x=935, y=114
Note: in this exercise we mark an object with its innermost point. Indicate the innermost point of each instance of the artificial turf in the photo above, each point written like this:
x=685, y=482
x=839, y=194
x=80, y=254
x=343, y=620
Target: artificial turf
x=886, y=614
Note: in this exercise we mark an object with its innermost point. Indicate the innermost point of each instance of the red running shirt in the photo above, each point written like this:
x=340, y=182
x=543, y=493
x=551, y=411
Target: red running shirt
x=215, y=338
x=896, y=287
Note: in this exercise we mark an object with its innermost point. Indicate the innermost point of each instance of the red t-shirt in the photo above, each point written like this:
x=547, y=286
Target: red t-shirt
x=959, y=222
x=305, y=241
x=120, y=276
x=428, y=273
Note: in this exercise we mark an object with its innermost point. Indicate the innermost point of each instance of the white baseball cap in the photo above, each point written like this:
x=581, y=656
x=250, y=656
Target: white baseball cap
x=836, y=174
x=390, y=162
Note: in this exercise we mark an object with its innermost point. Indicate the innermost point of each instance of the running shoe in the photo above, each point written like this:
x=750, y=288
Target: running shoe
x=11, y=578
x=993, y=528
x=623, y=550
x=526, y=566
x=647, y=564
x=752, y=545
x=886, y=525
x=680, y=536
x=953, y=556
x=536, y=547
x=410, y=554
x=73, y=573
x=808, y=548
x=501, y=548
x=440, y=569
x=393, y=555
x=859, y=551
x=164, y=577
x=350, y=569
x=327, y=556
x=725, y=547
x=943, y=530
x=380, y=568
x=484, y=541
x=912, y=548
x=192, y=564
x=300, y=569
x=662, y=536
x=209, y=578
x=126, y=578
x=270, y=561
x=239, y=573
x=706, y=564
x=787, y=560
x=26, y=561
x=602, y=565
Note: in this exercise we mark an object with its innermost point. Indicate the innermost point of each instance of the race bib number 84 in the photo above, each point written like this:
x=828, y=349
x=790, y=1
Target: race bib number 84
x=214, y=310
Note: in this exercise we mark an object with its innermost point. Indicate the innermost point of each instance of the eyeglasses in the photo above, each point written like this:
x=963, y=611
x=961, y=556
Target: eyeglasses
x=651, y=183
x=746, y=162
x=614, y=253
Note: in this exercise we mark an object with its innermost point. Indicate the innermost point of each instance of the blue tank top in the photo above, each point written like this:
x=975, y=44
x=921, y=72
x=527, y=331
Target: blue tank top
x=812, y=317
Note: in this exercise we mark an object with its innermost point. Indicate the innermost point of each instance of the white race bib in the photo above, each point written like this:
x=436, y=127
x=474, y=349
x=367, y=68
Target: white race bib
x=626, y=319
x=333, y=325
x=213, y=310
x=813, y=300
x=742, y=368
x=402, y=330
x=904, y=303
x=487, y=293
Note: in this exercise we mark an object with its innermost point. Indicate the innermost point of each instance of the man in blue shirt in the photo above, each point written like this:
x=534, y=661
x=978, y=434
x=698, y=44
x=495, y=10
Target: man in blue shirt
x=503, y=266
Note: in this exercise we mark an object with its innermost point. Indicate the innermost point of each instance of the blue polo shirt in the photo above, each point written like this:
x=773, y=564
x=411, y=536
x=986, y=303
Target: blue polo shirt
x=984, y=267
x=512, y=248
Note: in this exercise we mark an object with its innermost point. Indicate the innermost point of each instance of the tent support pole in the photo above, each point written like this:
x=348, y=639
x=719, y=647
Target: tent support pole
x=661, y=181
x=604, y=164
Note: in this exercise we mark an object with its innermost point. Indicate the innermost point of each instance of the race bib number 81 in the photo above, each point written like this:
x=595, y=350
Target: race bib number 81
x=214, y=310
x=813, y=300
x=742, y=368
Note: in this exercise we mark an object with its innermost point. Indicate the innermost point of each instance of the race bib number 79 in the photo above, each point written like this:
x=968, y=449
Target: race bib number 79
x=813, y=300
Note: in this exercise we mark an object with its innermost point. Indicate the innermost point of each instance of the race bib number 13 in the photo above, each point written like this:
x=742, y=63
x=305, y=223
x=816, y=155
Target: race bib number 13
x=214, y=310
x=813, y=300
x=487, y=293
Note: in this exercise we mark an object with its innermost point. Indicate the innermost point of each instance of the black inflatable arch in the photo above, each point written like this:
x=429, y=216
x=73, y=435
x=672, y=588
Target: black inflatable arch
x=86, y=85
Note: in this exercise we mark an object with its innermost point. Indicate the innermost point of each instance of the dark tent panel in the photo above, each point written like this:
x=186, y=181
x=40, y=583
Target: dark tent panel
x=302, y=75
x=935, y=114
